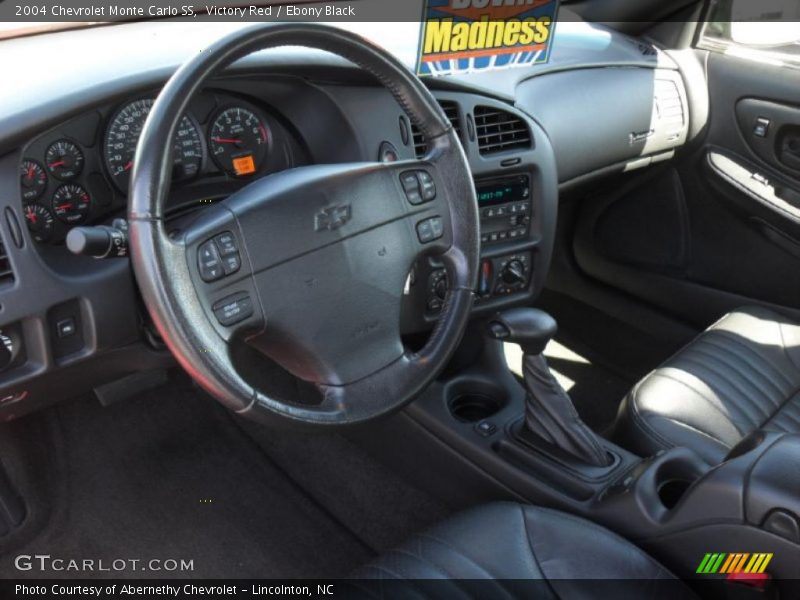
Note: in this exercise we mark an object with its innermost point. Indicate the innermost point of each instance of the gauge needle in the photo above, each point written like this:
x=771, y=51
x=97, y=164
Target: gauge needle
x=31, y=216
x=129, y=166
x=30, y=172
x=64, y=206
x=60, y=163
x=220, y=140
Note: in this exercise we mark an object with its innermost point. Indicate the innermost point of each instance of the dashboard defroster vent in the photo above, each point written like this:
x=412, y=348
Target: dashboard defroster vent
x=500, y=131
x=451, y=110
x=6, y=272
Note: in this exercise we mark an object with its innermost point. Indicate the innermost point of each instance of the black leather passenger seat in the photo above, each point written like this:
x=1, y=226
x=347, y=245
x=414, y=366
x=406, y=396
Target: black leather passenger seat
x=740, y=375
x=511, y=543
x=508, y=541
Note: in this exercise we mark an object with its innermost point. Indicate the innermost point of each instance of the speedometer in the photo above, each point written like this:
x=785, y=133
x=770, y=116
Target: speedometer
x=122, y=138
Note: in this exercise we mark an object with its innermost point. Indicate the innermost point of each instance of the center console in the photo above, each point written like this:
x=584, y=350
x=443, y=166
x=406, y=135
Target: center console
x=675, y=505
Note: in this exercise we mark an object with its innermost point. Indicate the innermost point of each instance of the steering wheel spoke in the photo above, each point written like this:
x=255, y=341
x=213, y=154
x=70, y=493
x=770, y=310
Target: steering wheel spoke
x=220, y=270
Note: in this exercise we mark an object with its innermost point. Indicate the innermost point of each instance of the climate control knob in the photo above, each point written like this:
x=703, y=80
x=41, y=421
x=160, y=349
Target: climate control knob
x=513, y=273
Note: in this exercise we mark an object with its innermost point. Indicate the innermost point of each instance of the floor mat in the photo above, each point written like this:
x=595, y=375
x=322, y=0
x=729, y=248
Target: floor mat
x=170, y=476
x=595, y=390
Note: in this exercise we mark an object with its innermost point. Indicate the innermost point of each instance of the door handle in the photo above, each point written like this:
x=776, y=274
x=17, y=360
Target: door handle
x=789, y=148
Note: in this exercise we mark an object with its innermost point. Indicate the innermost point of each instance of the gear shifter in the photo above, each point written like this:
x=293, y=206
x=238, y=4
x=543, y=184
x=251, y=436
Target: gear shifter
x=549, y=412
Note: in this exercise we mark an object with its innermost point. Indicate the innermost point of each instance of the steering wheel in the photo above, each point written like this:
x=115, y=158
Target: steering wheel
x=323, y=251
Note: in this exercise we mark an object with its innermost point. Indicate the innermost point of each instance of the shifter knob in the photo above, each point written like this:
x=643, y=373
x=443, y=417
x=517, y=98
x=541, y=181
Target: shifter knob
x=531, y=328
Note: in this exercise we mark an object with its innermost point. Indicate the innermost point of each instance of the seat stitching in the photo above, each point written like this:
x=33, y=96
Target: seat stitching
x=765, y=363
x=786, y=405
x=727, y=417
x=744, y=399
x=761, y=365
x=735, y=372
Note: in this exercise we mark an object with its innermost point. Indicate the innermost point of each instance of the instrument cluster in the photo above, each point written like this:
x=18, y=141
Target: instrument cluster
x=80, y=171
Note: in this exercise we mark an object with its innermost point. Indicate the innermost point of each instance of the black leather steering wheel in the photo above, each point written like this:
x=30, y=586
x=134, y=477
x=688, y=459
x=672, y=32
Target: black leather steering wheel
x=324, y=250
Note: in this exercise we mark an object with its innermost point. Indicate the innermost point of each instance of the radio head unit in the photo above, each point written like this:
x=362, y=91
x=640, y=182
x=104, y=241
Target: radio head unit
x=505, y=208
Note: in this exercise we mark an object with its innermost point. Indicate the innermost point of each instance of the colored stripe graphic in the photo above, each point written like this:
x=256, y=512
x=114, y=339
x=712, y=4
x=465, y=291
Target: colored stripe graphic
x=736, y=562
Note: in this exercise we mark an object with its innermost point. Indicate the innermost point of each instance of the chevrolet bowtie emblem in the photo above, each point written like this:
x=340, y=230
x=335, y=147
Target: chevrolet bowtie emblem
x=331, y=218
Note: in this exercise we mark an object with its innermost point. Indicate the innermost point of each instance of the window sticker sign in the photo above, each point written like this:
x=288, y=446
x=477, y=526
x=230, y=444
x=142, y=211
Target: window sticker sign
x=463, y=36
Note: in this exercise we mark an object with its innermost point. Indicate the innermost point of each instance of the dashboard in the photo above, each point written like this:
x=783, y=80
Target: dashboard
x=78, y=172
x=67, y=150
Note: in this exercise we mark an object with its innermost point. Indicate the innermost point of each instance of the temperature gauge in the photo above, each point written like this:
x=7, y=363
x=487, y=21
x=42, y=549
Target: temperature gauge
x=33, y=180
x=40, y=222
x=71, y=203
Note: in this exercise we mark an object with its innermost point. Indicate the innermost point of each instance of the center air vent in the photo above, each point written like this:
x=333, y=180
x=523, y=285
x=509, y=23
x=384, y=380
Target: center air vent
x=451, y=110
x=500, y=131
x=6, y=272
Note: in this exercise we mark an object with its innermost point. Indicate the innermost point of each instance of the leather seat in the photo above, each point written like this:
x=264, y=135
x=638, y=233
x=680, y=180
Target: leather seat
x=740, y=375
x=508, y=541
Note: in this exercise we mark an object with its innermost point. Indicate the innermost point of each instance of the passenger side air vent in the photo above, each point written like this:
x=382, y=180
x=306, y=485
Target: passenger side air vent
x=500, y=131
x=451, y=110
x=6, y=272
x=669, y=108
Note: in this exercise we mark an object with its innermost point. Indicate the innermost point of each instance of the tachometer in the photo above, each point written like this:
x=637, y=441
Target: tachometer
x=238, y=141
x=32, y=178
x=122, y=138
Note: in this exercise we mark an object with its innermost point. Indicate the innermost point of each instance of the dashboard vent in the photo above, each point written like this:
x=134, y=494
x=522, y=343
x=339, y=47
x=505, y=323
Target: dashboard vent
x=669, y=107
x=6, y=272
x=500, y=131
x=450, y=109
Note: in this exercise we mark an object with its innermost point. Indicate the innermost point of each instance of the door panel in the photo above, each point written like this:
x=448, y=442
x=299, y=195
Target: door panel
x=719, y=227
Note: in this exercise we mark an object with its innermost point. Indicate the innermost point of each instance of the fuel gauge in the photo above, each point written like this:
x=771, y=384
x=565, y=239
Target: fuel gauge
x=64, y=160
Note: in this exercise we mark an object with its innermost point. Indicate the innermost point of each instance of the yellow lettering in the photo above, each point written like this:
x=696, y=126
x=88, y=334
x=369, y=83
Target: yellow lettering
x=543, y=30
x=460, y=39
x=528, y=32
x=437, y=36
x=511, y=33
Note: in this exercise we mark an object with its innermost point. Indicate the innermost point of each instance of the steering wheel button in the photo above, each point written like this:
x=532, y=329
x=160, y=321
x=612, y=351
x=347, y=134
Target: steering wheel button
x=231, y=263
x=425, y=231
x=208, y=262
x=226, y=244
x=437, y=227
x=409, y=181
x=414, y=197
x=233, y=309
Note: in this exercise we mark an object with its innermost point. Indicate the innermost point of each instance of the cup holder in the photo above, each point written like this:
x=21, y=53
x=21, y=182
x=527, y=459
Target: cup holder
x=670, y=492
x=473, y=401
